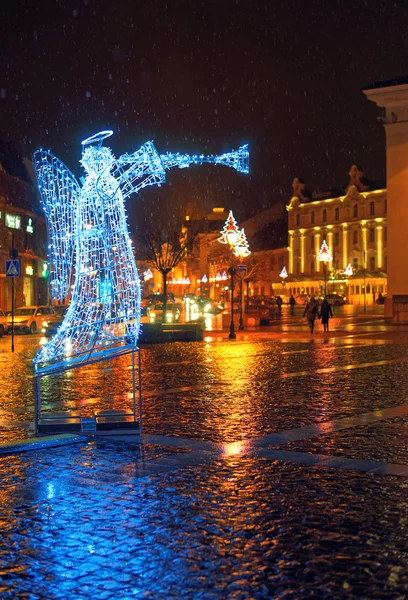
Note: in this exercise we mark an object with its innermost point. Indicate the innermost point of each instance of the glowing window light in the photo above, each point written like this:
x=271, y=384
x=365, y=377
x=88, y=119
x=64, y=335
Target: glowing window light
x=29, y=270
x=13, y=221
x=30, y=227
x=90, y=251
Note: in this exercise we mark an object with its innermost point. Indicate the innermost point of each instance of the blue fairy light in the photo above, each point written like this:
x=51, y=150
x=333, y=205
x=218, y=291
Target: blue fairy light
x=91, y=257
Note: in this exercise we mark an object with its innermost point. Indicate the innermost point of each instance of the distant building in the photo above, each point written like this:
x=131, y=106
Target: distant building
x=23, y=227
x=353, y=222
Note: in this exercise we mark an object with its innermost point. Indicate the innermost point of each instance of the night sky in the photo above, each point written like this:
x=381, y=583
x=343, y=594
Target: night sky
x=206, y=76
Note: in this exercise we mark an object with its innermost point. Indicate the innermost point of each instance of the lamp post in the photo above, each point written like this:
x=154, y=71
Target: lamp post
x=325, y=257
x=241, y=251
x=239, y=248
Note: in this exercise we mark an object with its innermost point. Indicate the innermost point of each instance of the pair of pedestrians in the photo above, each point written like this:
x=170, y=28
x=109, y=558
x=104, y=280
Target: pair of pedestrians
x=312, y=311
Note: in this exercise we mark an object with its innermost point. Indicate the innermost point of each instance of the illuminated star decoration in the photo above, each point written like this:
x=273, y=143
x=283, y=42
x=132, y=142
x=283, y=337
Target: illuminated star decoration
x=90, y=251
x=324, y=254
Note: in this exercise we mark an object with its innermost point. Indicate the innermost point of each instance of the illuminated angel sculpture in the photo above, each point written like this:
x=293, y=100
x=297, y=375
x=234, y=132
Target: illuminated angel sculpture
x=90, y=251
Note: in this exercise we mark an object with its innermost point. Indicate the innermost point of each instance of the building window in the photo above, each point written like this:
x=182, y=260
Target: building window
x=357, y=289
x=297, y=220
x=355, y=237
x=13, y=221
x=368, y=288
x=312, y=242
x=372, y=263
x=337, y=213
x=372, y=209
x=312, y=217
x=336, y=238
x=324, y=215
x=372, y=235
x=355, y=210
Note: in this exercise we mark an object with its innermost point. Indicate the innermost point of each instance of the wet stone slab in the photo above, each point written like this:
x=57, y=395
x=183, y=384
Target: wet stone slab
x=236, y=528
x=386, y=441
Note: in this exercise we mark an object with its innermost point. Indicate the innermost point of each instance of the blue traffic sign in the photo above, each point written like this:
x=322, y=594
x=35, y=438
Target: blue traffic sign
x=13, y=268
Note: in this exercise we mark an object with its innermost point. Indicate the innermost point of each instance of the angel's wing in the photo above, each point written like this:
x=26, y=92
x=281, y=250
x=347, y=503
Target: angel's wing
x=60, y=194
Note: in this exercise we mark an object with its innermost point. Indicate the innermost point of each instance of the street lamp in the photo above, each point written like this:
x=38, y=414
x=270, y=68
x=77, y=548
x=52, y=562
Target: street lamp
x=241, y=250
x=325, y=257
x=229, y=235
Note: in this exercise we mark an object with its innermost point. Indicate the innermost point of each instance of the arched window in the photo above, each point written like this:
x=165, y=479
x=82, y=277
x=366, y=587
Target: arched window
x=372, y=209
x=337, y=213
x=324, y=215
x=355, y=210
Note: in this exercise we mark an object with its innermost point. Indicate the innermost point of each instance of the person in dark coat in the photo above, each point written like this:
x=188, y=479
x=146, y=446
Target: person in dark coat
x=311, y=312
x=292, y=303
x=325, y=313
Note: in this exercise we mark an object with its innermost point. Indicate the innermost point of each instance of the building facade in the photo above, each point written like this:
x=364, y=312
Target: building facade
x=354, y=227
x=25, y=230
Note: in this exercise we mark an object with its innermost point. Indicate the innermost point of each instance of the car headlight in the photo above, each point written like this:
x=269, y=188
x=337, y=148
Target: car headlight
x=45, y=323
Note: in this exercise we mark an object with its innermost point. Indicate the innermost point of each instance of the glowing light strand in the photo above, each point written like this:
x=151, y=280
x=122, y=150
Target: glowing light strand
x=89, y=245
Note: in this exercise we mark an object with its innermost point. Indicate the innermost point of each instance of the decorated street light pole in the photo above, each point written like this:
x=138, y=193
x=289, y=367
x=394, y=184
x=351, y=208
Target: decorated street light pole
x=229, y=235
x=325, y=257
x=241, y=250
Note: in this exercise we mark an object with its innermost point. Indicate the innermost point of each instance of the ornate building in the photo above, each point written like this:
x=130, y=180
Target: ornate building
x=354, y=225
x=22, y=227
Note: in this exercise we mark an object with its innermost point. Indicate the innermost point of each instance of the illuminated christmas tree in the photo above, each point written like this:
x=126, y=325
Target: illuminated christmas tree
x=241, y=248
x=229, y=234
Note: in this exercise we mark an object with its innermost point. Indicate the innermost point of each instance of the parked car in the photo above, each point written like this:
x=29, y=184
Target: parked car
x=156, y=312
x=31, y=319
x=3, y=323
x=50, y=327
x=336, y=299
x=207, y=307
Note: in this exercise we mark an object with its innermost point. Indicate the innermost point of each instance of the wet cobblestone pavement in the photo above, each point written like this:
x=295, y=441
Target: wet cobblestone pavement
x=241, y=499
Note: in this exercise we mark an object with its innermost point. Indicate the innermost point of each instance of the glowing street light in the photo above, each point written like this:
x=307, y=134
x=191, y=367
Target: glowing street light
x=325, y=257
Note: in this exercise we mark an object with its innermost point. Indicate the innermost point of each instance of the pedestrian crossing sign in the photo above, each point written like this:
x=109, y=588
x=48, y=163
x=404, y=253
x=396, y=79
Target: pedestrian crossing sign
x=13, y=268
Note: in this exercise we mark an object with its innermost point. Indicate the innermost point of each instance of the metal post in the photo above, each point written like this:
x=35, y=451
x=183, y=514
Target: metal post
x=139, y=366
x=241, y=320
x=232, y=334
x=324, y=270
x=133, y=385
x=12, y=295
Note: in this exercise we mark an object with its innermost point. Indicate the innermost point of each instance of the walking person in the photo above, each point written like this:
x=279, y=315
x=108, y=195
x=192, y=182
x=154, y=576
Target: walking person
x=292, y=303
x=325, y=313
x=279, y=304
x=311, y=312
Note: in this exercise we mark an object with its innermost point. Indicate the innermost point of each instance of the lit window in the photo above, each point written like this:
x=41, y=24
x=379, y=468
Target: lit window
x=13, y=221
x=30, y=227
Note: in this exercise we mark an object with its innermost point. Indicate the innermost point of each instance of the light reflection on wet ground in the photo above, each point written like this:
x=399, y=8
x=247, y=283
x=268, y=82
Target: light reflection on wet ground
x=117, y=520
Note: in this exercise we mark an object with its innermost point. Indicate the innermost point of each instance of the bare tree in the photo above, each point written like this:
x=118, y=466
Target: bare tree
x=165, y=237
